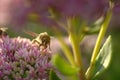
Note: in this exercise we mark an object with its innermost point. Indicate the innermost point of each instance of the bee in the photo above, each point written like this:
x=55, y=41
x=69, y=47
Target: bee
x=3, y=31
x=42, y=39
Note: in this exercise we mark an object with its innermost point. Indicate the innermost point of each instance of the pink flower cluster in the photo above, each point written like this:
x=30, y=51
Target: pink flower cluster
x=22, y=60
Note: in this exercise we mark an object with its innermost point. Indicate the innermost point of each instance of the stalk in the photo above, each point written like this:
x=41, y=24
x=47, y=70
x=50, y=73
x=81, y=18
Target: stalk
x=98, y=43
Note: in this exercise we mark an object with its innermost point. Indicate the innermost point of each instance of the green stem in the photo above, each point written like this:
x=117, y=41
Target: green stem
x=76, y=49
x=77, y=54
x=75, y=41
x=101, y=36
x=98, y=43
x=65, y=47
x=66, y=50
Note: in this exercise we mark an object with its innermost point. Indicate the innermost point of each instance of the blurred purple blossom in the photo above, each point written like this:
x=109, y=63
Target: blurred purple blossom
x=22, y=60
x=18, y=11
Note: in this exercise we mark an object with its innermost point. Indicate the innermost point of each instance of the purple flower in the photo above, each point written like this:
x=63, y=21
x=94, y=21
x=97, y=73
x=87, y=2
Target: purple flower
x=22, y=60
x=19, y=11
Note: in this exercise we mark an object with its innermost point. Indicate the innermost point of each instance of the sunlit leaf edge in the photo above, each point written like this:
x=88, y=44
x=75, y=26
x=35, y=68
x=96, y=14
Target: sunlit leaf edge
x=103, y=59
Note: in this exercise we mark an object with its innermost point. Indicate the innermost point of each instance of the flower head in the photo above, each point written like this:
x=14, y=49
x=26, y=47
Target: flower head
x=19, y=11
x=22, y=60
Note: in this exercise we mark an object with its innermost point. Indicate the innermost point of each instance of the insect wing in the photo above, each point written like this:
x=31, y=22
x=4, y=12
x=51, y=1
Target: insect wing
x=31, y=33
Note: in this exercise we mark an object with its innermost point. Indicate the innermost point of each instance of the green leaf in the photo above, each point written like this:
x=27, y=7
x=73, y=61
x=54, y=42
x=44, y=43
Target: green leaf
x=103, y=58
x=98, y=22
x=63, y=66
x=95, y=27
x=53, y=76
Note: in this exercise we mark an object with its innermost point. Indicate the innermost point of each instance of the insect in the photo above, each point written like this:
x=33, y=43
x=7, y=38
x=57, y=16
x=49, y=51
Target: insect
x=42, y=39
x=3, y=31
